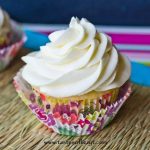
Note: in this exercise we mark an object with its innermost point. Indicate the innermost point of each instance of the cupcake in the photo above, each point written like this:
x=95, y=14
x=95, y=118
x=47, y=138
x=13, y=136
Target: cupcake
x=5, y=29
x=76, y=83
x=11, y=39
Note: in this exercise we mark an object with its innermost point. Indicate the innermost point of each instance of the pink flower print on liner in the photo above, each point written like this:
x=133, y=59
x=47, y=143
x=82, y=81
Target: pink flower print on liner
x=65, y=113
x=74, y=107
x=68, y=119
x=81, y=123
x=43, y=97
x=64, y=109
x=48, y=119
x=16, y=85
x=32, y=97
x=87, y=123
x=106, y=98
x=65, y=119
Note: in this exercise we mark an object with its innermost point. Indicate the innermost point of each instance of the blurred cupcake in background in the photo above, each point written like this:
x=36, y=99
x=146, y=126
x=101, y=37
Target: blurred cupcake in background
x=5, y=29
x=11, y=39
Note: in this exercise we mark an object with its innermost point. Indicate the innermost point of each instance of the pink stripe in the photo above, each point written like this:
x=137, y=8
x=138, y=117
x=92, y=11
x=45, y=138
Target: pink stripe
x=123, y=38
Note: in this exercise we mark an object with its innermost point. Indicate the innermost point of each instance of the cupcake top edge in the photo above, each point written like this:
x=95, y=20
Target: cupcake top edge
x=76, y=61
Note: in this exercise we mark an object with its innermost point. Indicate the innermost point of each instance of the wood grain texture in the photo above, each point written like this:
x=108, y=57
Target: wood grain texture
x=19, y=129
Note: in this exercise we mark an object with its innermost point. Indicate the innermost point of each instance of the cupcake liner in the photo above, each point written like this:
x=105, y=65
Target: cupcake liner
x=67, y=117
x=7, y=53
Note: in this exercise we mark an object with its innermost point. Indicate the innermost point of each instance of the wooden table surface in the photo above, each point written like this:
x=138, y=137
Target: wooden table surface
x=19, y=129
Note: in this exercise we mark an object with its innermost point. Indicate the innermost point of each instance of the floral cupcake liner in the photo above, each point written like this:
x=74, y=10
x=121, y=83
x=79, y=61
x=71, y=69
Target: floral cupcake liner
x=72, y=118
x=7, y=53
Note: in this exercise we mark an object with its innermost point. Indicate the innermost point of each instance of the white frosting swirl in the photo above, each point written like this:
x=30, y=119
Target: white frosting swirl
x=76, y=61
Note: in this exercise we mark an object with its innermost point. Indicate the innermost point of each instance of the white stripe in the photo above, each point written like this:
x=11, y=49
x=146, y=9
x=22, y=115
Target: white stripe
x=139, y=59
x=125, y=29
x=133, y=47
x=112, y=29
x=42, y=27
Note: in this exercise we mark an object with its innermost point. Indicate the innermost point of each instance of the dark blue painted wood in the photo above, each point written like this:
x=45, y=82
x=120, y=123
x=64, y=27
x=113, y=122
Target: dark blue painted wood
x=105, y=12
